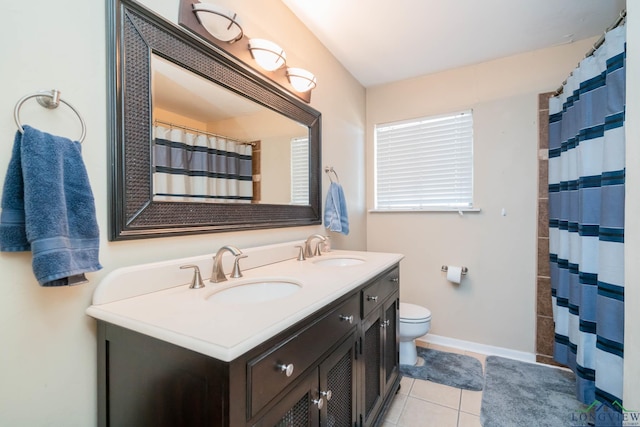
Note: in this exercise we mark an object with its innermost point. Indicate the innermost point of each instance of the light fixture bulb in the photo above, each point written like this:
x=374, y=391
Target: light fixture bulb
x=267, y=54
x=222, y=24
x=301, y=79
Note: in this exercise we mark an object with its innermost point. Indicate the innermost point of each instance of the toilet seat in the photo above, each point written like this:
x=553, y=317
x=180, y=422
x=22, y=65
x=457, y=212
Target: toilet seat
x=411, y=313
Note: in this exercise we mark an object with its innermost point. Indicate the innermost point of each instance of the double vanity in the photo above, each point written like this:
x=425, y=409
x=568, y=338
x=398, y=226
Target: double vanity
x=290, y=343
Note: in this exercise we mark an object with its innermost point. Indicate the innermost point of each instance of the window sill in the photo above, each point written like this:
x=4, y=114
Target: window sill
x=460, y=211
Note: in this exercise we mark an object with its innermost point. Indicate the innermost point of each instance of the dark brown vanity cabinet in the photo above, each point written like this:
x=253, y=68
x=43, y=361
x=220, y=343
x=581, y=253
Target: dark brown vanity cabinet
x=338, y=367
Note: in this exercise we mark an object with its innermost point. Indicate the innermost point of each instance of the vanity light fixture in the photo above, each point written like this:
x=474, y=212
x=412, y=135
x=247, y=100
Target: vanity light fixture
x=267, y=54
x=301, y=79
x=222, y=24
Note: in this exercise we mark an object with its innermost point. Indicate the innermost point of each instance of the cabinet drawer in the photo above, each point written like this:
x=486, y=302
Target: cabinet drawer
x=267, y=374
x=374, y=294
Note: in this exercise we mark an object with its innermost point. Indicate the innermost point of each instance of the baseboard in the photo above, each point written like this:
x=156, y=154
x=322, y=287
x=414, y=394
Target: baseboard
x=479, y=348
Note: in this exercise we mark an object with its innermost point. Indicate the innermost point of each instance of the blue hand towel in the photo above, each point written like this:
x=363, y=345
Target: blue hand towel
x=335, y=210
x=48, y=208
x=13, y=236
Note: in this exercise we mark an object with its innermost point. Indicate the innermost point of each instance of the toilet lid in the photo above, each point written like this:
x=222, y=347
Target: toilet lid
x=414, y=313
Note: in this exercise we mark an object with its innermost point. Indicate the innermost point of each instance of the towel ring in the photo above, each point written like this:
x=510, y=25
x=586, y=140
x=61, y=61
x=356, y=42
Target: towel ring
x=48, y=99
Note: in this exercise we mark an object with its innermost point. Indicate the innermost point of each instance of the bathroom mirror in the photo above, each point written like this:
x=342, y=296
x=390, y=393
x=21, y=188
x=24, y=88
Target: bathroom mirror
x=139, y=96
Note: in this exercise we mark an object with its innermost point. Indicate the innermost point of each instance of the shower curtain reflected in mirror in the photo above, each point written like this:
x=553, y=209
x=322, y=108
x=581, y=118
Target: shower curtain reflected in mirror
x=200, y=168
x=586, y=221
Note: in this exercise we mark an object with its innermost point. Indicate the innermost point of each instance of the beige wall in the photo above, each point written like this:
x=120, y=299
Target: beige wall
x=47, y=355
x=495, y=303
x=177, y=119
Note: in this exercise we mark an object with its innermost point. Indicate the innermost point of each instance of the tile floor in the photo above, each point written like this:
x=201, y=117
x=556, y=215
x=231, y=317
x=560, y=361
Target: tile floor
x=425, y=403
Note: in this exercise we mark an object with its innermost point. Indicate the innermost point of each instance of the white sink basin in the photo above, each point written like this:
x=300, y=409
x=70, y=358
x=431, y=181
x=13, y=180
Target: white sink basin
x=255, y=292
x=339, y=262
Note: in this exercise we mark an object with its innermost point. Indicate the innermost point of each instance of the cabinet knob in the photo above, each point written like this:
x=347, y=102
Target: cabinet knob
x=287, y=369
x=327, y=394
x=319, y=403
x=372, y=298
x=394, y=279
x=346, y=319
x=385, y=324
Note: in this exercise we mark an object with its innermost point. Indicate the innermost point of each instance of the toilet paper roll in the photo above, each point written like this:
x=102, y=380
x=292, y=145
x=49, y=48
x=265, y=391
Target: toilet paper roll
x=454, y=274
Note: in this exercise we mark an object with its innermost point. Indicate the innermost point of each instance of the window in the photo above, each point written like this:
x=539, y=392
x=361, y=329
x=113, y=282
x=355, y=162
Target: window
x=425, y=163
x=300, y=171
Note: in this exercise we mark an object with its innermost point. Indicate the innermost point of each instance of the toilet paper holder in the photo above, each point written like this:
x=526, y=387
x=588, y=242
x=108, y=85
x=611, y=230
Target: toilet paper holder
x=445, y=268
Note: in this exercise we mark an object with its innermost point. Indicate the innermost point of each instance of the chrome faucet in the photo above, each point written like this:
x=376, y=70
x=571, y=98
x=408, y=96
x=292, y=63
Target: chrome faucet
x=217, y=274
x=308, y=252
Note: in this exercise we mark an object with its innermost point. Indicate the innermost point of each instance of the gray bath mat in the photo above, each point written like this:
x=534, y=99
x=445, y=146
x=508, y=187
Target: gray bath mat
x=455, y=370
x=525, y=394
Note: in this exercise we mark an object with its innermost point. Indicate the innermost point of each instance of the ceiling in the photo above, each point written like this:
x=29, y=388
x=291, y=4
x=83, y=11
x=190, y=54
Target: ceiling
x=381, y=41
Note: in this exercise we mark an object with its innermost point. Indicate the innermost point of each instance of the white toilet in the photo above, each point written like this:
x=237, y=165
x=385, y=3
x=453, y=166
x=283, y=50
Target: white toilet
x=415, y=321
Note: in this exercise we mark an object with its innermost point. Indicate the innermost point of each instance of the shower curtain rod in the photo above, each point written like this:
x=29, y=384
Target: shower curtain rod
x=173, y=125
x=598, y=43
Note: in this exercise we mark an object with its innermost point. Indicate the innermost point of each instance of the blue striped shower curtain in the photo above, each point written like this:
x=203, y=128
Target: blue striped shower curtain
x=200, y=168
x=586, y=222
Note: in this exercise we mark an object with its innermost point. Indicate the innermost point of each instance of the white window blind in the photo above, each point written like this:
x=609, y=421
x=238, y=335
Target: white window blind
x=425, y=163
x=300, y=171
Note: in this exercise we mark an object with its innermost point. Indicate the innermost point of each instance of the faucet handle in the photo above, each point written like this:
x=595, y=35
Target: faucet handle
x=236, y=273
x=196, y=281
x=326, y=246
x=301, y=256
x=318, y=251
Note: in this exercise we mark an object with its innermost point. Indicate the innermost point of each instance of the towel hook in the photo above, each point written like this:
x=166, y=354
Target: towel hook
x=48, y=99
x=329, y=170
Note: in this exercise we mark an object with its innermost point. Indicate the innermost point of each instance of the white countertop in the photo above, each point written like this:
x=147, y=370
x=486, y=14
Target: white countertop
x=140, y=298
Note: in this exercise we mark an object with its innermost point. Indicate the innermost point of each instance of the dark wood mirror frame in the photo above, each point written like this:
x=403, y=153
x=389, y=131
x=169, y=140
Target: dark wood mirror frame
x=134, y=32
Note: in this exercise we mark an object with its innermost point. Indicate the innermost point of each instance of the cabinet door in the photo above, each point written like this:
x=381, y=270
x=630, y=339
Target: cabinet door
x=298, y=408
x=391, y=356
x=371, y=382
x=338, y=385
x=380, y=351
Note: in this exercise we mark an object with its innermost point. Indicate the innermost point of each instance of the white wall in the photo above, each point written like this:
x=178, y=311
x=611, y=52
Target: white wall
x=47, y=355
x=495, y=303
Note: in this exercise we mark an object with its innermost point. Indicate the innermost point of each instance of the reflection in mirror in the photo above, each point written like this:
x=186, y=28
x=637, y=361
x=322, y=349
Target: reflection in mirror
x=212, y=145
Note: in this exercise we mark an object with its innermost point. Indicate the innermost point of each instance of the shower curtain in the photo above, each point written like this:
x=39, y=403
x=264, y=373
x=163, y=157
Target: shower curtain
x=200, y=168
x=586, y=222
